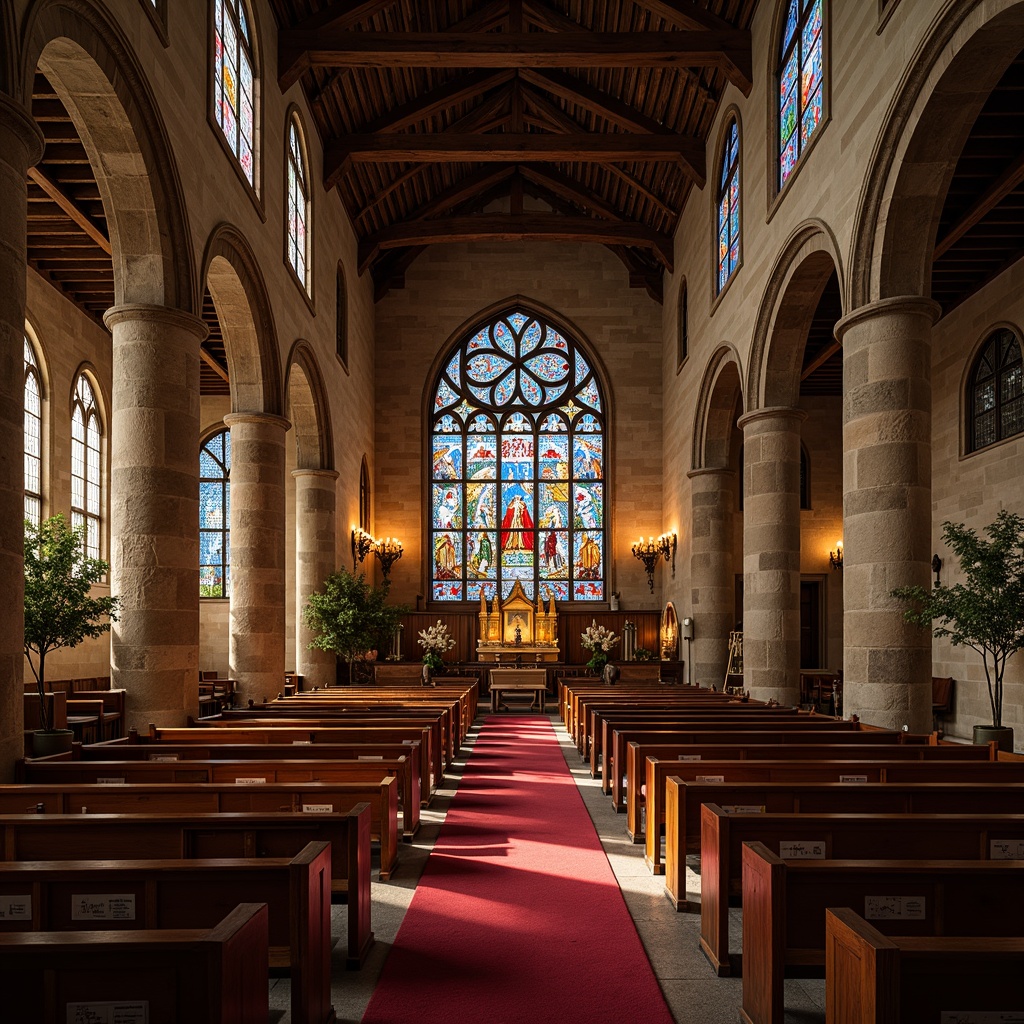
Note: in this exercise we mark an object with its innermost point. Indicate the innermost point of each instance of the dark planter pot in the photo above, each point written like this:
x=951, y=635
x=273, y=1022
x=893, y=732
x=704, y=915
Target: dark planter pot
x=57, y=741
x=1002, y=734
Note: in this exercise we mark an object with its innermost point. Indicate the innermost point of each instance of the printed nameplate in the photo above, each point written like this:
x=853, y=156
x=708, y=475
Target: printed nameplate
x=408, y=741
x=246, y=781
x=163, y=758
x=743, y=808
x=710, y=778
x=103, y=907
x=111, y=782
x=318, y=808
x=690, y=757
x=370, y=757
x=805, y=850
x=16, y=908
x=302, y=743
x=894, y=908
x=1006, y=849
x=853, y=778
x=108, y=1013
x=981, y=1017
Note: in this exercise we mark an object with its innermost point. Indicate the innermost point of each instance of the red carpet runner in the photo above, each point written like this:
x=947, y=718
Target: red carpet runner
x=517, y=918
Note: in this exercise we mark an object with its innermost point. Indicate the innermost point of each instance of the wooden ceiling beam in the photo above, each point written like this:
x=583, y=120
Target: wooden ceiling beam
x=560, y=185
x=213, y=364
x=487, y=18
x=685, y=14
x=299, y=50
x=820, y=360
x=506, y=228
x=463, y=190
x=78, y=216
x=541, y=16
x=342, y=15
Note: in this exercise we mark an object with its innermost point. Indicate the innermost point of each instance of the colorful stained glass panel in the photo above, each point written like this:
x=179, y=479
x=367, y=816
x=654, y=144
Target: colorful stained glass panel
x=482, y=457
x=588, y=506
x=447, y=550
x=481, y=505
x=587, y=458
x=447, y=505
x=553, y=555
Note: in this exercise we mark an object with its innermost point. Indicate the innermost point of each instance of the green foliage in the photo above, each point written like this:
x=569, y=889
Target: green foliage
x=59, y=608
x=643, y=654
x=986, y=611
x=351, y=617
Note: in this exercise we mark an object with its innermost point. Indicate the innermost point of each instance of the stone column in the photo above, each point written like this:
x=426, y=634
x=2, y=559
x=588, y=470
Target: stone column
x=315, y=560
x=154, y=511
x=711, y=573
x=256, y=640
x=771, y=553
x=21, y=146
x=887, y=513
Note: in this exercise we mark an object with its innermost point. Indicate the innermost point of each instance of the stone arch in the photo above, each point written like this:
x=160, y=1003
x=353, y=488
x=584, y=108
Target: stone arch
x=232, y=273
x=308, y=409
x=808, y=259
x=945, y=86
x=90, y=63
x=720, y=388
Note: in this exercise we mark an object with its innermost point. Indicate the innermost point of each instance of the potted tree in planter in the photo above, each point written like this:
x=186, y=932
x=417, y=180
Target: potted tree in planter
x=351, y=617
x=986, y=611
x=60, y=610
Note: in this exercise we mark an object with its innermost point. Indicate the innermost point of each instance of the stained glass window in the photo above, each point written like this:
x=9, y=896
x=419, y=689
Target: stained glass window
x=234, y=83
x=996, y=391
x=728, y=220
x=801, y=78
x=85, y=464
x=215, y=516
x=298, y=204
x=518, y=467
x=33, y=437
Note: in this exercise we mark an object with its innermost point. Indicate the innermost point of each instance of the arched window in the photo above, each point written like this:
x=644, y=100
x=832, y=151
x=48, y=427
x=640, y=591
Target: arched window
x=33, y=436
x=364, y=498
x=518, y=457
x=86, y=432
x=683, y=327
x=298, y=203
x=341, y=313
x=996, y=391
x=215, y=515
x=234, y=82
x=729, y=206
x=801, y=82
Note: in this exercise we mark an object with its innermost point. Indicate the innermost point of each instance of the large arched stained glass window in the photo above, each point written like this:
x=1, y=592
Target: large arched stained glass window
x=518, y=457
x=33, y=437
x=234, y=84
x=215, y=516
x=801, y=78
x=85, y=464
x=996, y=391
x=729, y=206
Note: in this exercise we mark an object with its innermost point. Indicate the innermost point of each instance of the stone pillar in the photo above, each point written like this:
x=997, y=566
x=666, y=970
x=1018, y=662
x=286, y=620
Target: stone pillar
x=887, y=513
x=771, y=553
x=713, y=596
x=154, y=511
x=21, y=146
x=256, y=640
x=315, y=560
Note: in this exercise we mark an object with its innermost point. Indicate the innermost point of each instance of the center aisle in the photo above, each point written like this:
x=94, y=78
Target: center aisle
x=517, y=918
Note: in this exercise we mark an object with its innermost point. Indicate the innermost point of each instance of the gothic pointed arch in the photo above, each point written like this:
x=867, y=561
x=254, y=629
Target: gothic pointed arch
x=308, y=409
x=720, y=394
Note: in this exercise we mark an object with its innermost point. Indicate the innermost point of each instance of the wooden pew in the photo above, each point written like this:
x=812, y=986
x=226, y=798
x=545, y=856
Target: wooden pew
x=75, y=896
x=830, y=837
x=156, y=836
x=216, y=975
x=684, y=800
x=784, y=904
x=873, y=979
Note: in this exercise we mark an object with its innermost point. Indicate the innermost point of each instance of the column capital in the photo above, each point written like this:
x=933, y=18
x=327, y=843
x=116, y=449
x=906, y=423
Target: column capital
x=15, y=120
x=710, y=471
x=777, y=412
x=323, y=474
x=168, y=315
x=267, y=419
x=898, y=305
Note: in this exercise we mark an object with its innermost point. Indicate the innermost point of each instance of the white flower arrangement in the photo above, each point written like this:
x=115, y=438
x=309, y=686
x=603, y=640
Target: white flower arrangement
x=598, y=638
x=435, y=641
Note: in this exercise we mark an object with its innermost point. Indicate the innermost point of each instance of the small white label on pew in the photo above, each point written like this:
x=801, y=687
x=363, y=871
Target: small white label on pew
x=111, y=782
x=370, y=757
x=408, y=741
x=853, y=778
x=710, y=778
x=163, y=758
x=806, y=850
x=318, y=808
x=690, y=757
x=302, y=743
x=894, y=908
x=108, y=1013
x=103, y=907
x=246, y=781
x=981, y=1017
x=743, y=808
x=16, y=908
x=1006, y=849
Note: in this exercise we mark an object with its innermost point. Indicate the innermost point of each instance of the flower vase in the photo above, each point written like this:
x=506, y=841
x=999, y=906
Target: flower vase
x=596, y=664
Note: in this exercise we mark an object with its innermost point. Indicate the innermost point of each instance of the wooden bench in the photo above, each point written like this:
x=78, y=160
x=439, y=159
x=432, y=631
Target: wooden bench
x=76, y=896
x=829, y=837
x=942, y=700
x=216, y=975
x=873, y=979
x=784, y=904
x=684, y=800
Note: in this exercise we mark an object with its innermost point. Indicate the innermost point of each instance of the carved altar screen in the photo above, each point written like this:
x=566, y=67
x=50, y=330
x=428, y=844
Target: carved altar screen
x=518, y=464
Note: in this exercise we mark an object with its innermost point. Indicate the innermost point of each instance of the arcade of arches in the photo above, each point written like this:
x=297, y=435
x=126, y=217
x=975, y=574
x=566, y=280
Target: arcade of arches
x=827, y=348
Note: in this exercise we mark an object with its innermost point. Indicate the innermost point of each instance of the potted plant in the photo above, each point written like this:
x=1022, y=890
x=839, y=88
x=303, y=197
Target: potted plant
x=599, y=640
x=351, y=617
x=60, y=610
x=435, y=641
x=986, y=611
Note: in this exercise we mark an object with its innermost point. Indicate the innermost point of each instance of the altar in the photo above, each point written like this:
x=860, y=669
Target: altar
x=518, y=683
x=516, y=630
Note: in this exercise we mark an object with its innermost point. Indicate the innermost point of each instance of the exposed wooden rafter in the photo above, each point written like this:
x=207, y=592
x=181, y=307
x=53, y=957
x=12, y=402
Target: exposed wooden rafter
x=68, y=205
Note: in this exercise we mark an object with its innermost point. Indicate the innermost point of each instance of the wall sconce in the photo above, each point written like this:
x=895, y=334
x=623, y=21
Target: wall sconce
x=835, y=558
x=388, y=552
x=937, y=569
x=362, y=542
x=652, y=550
x=669, y=542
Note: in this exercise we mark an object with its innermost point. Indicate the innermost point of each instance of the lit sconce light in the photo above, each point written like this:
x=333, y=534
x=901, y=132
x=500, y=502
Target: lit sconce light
x=388, y=552
x=937, y=569
x=835, y=558
x=650, y=551
x=362, y=543
x=669, y=542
